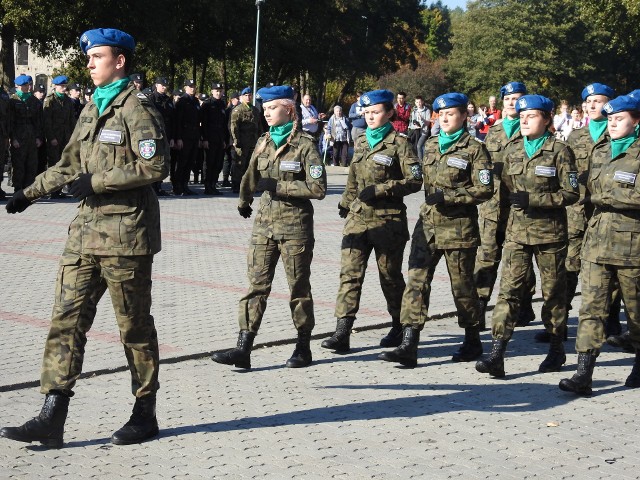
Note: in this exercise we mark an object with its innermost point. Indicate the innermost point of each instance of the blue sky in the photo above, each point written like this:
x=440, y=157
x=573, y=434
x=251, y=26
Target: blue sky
x=452, y=3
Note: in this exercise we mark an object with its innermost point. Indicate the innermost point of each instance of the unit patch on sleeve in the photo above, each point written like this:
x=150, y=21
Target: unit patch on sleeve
x=315, y=171
x=147, y=148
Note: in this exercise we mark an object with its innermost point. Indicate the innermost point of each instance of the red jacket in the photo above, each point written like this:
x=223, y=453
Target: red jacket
x=492, y=116
x=401, y=122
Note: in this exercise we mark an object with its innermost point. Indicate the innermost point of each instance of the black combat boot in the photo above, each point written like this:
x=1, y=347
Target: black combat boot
x=301, y=356
x=339, y=341
x=580, y=383
x=525, y=314
x=556, y=357
x=494, y=363
x=407, y=353
x=545, y=337
x=482, y=303
x=612, y=327
x=47, y=428
x=633, y=380
x=142, y=424
x=471, y=348
x=239, y=356
x=394, y=337
x=621, y=341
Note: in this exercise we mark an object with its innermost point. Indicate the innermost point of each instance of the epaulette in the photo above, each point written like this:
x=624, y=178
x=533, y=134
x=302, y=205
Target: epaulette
x=143, y=98
x=478, y=140
x=307, y=135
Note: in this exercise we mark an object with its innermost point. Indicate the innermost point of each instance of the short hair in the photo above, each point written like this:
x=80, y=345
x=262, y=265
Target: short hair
x=128, y=58
x=402, y=93
x=419, y=97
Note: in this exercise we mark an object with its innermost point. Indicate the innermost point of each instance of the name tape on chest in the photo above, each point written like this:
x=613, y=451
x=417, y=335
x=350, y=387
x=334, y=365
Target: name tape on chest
x=624, y=177
x=290, y=166
x=110, y=136
x=385, y=160
x=456, y=162
x=544, y=171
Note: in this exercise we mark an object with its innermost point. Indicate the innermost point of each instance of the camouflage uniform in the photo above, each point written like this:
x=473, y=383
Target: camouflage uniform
x=111, y=241
x=380, y=225
x=449, y=229
x=550, y=178
x=611, y=246
x=245, y=129
x=283, y=226
x=26, y=127
x=59, y=122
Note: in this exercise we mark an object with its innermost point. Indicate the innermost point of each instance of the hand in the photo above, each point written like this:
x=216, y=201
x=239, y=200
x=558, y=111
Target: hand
x=15, y=144
x=368, y=194
x=245, y=212
x=582, y=201
x=238, y=151
x=179, y=144
x=18, y=203
x=54, y=142
x=172, y=143
x=267, y=184
x=583, y=178
x=519, y=199
x=205, y=144
x=434, y=198
x=343, y=212
x=81, y=187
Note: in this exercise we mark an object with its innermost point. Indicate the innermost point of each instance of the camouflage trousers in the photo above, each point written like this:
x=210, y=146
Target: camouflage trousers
x=82, y=280
x=24, y=164
x=489, y=257
x=262, y=259
x=355, y=251
x=573, y=251
x=517, y=260
x=423, y=260
x=598, y=285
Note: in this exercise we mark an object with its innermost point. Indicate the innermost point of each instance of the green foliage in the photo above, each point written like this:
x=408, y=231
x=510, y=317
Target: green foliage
x=427, y=79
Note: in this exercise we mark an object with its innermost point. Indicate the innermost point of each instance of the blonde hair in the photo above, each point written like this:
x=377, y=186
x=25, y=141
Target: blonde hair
x=290, y=105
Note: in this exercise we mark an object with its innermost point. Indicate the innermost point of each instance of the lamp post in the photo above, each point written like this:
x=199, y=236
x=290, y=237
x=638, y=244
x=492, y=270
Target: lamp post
x=255, y=64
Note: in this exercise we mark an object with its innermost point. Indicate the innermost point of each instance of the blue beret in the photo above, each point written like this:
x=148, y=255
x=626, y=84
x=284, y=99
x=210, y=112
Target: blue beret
x=598, y=89
x=534, y=102
x=22, y=80
x=513, y=87
x=274, y=93
x=634, y=94
x=374, y=97
x=246, y=90
x=60, y=80
x=110, y=37
x=450, y=100
x=623, y=103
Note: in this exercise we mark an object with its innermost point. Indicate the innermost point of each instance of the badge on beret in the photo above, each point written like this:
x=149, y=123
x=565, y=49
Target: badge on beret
x=147, y=148
x=484, y=176
x=315, y=171
x=416, y=171
x=573, y=179
x=608, y=107
x=364, y=100
x=442, y=103
x=523, y=103
x=509, y=87
x=591, y=89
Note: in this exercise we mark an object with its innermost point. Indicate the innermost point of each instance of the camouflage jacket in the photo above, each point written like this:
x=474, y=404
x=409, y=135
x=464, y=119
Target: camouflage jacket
x=126, y=151
x=613, y=232
x=394, y=169
x=287, y=213
x=551, y=179
x=496, y=208
x=463, y=173
x=245, y=125
x=25, y=118
x=58, y=118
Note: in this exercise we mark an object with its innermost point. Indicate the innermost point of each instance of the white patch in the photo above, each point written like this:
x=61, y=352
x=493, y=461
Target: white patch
x=484, y=176
x=590, y=89
x=607, y=107
x=509, y=88
x=624, y=177
x=385, y=160
x=459, y=163
x=442, y=103
x=543, y=171
x=522, y=103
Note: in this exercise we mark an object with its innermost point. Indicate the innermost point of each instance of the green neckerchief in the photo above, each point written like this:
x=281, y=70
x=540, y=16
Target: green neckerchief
x=620, y=145
x=511, y=126
x=445, y=141
x=60, y=95
x=375, y=135
x=24, y=96
x=597, y=128
x=103, y=96
x=531, y=147
x=280, y=133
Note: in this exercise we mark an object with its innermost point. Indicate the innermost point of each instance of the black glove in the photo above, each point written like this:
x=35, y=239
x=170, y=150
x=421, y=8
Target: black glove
x=582, y=201
x=81, y=187
x=18, y=203
x=583, y=177
x=368, y=194
x=267, y=184
x=519, y=199
x=434, y=198
x=245, y=212
x=343, y=212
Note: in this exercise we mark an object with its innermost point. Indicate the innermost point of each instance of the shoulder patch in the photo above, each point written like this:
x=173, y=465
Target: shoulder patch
x=573, y=179
x=315, y=171
x=484, y=176
x=416, y=171
x=147, y=148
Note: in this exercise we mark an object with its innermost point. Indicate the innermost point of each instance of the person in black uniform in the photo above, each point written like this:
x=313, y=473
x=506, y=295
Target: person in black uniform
x=187, y=135
x=234, y=99
x=215, y=134
x=164, y=104
x=75, y=91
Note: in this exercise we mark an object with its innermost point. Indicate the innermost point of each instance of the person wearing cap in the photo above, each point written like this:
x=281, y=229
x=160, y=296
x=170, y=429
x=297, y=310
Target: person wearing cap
x=40, y=91
x=25, y=132
x=540, y=176
x=187, y=137
x=245, y=129
x=138, y=81
x=287, y=168
x=457, y=177
x=611, y=248
x=59, y=122
x=164, y=103
x=117, y=150
x=215, y=135
x=4, y=135
x=493, y=214
x=384, y=169
x=75, y=91
x=227, y=166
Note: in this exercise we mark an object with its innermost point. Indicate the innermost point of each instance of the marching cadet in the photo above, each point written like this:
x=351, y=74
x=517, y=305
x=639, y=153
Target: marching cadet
x=456, y=169
x=117, y=150
x=187, y=137
x=245, y=130
x=540, y=175
x=214, y=137
x=287, y=168
x=611, y=246
x=383, y=171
